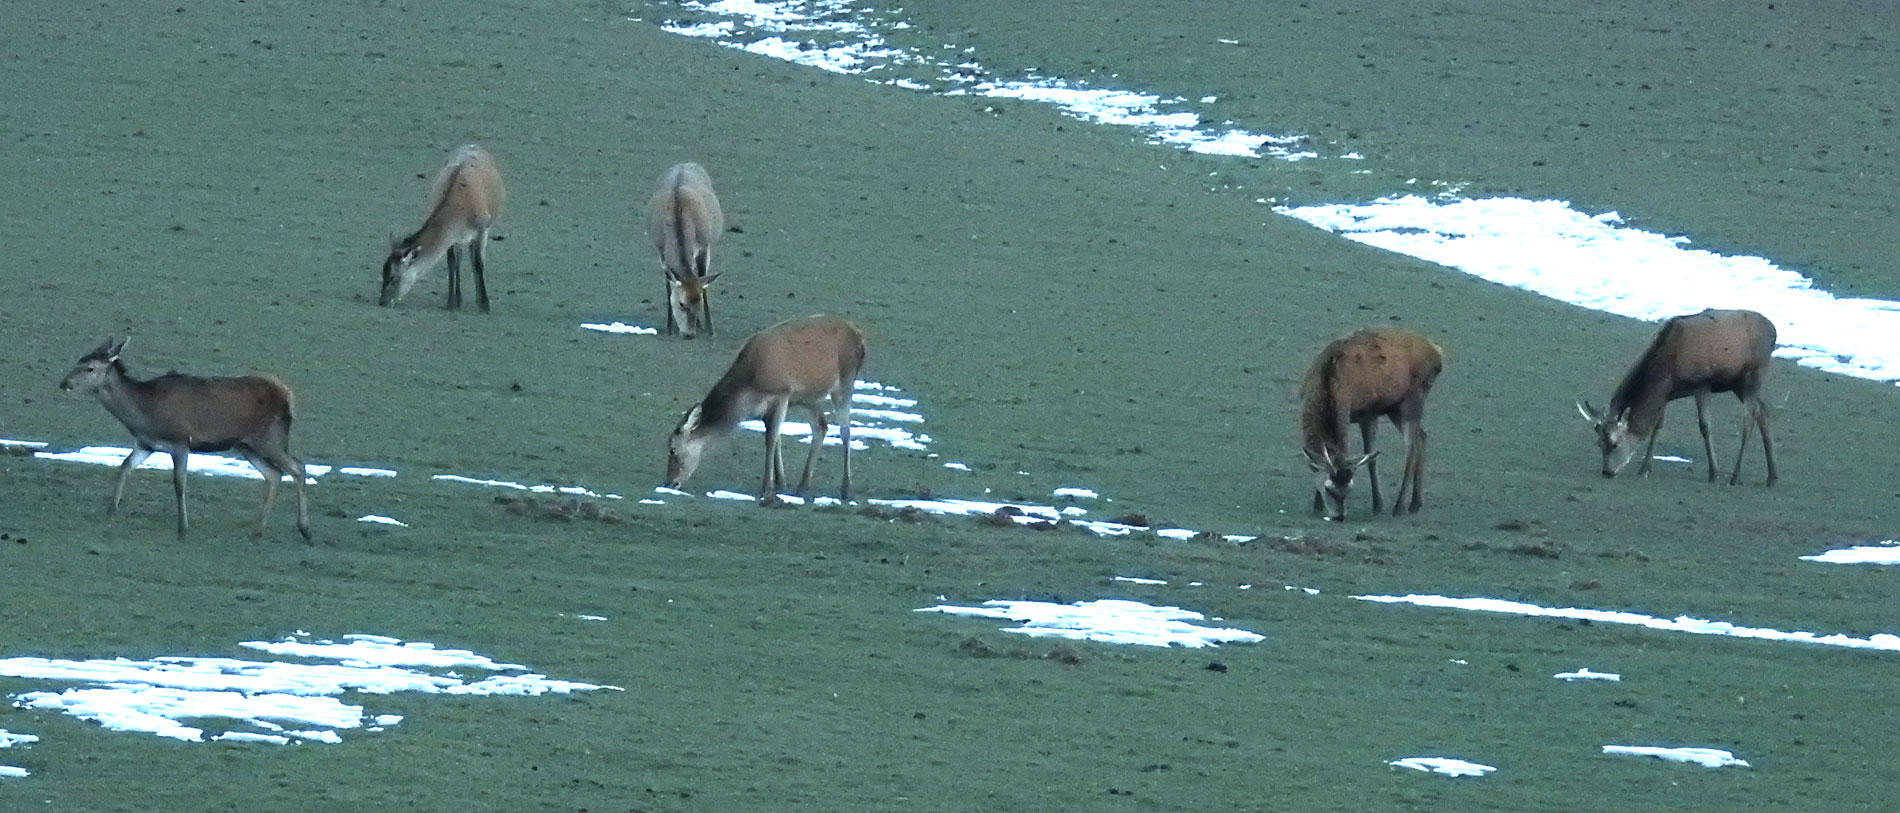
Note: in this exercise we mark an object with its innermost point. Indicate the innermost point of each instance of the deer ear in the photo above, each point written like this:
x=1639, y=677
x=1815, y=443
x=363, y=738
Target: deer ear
x=113, y=353
x=708, y=279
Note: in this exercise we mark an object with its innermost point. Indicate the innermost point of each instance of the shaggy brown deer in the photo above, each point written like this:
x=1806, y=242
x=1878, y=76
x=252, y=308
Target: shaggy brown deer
x=179, y=414
x=803, y=362
x=1698, y=354
x=464, y=201
x=684, y=221
x=1371, y=374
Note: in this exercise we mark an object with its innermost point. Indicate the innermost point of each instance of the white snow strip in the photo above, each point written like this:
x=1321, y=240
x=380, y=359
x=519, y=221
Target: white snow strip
x=1586, y=674
x=1706, y=757
x=842, y=38
x=1076, y=493
x=1549, y=248
x=1442, y=765
x=1114, y=621
x=12, y=772
x=382, y=520
x=957, y=466
x=576, y=491
x=1883, y=553
x=30, y=444
x=9, y=739
x=196, y=463
x=1682, y=623
x=1138, y=580
x=622, y=327
x=263, y=697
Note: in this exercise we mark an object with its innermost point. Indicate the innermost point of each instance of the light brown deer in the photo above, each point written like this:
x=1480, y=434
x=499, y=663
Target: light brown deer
x=1371, y=374
x=1694, y=355
x=684, y=221
x=804, y=362
x=463, y=203
x=180, y=414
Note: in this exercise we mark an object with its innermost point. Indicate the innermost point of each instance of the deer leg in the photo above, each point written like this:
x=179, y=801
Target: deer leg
x=284, y=464
x=181, y=461
x=1702, y=423
x=1414, y=469
x=454, y=262
x=1741, y=450
x=774, y=472
x=705, y=310
x=844, y=434
x=1649, y=451
x=271, y=475
x=475, y=249
x=818, y=429
x=1767, y=445
x=1418, y=477
x=1366, y=431
x=666, y=280
x=139, y=452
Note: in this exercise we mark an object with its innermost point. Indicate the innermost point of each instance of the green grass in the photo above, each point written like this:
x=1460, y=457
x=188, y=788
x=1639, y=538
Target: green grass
x=220, y=180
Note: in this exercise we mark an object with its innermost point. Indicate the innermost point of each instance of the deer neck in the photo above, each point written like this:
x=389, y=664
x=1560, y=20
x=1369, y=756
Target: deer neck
x=131, y=402
x=1645, y=404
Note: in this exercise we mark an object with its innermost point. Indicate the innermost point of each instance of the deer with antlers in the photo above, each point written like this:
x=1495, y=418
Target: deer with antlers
x=463, y=203
x=1358, y=379
x=180, y=414
x=684, y=221
x=1697, y=355
x=808, y=362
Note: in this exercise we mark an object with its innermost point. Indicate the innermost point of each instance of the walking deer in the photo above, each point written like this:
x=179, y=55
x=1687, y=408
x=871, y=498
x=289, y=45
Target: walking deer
x=803, y=362
x=1696, y=355
x=684, y=221
x=1371, y=374
x=463, y=202
x=179, y=414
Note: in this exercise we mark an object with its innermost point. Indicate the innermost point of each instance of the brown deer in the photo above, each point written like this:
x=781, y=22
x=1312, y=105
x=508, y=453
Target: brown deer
x=464, y=201
x=1698, y=354
x=684, y=221
x=1371, y=374
x=803, y=362
x=179, y=414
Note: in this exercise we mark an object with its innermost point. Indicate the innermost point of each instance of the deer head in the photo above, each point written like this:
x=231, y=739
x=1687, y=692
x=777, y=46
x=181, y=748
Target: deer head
x=1333, y=480
x=94, y=368
x=1614, y=437
x=689, y=298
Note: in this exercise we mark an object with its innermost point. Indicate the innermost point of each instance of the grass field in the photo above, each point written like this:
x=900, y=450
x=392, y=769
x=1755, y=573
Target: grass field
x=1071, y=307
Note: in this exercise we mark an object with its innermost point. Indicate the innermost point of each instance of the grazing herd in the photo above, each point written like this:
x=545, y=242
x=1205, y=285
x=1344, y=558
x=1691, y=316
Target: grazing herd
x=813, y=363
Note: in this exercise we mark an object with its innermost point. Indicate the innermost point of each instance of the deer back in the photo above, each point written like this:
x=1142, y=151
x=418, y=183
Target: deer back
x=803, y=360
x=467, y=192
x=684, y=219
x=1366, y=374
x=1711, y=351
x=212, y=413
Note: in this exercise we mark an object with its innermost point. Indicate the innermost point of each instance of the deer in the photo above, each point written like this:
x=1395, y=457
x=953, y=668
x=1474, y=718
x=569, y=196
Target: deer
x=464, y=201
x=180, y=414
x=805, y=362
x=684, y=221
x=1699, y=355
x=1370, y=374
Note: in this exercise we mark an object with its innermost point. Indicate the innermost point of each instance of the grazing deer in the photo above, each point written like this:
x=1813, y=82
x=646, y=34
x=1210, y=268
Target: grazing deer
x=804, y=362
x=1697, y=354
x=1371, y=374
x=464, y=201
x=684, y=221
x=179, y=414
